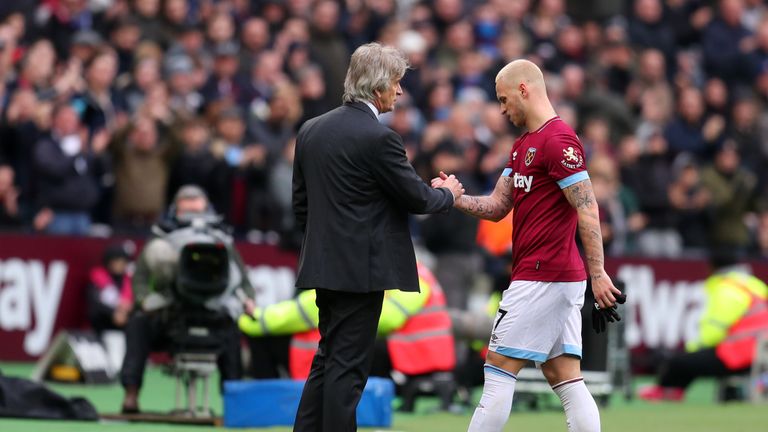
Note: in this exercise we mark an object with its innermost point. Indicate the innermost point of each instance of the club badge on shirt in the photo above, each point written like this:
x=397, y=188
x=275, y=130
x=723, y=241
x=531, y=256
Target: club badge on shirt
x=529, y=155
x=572, y=159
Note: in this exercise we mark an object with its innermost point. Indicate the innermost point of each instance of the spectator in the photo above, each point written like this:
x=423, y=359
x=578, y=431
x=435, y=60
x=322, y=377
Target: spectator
x=195, y=165
x=125, y=38
x=147, y=14
x=142, y=154
x=690, y=202
x=328, y=48
x=761, y=237
x=278, y=126
x=716, y=98
x=312, y=93
x=596, y=138
x=224, y=84
x=185, y=100
x=254, y=39
x=85, y=44
x=726, y=43
x=732, y=189
x=759, y=56
x=109, y=293
x=649, y=29
x=66, y=175
x=100, y=106
x=145, y=73
x=176, y=16
x=244, y=173
x=690, y=131
x=651, y=77
x=9, y=195
x=280, y=190
x=745, y=131
x=64, y=18
x=24, y=122
x=620, y=219
x=649, y=178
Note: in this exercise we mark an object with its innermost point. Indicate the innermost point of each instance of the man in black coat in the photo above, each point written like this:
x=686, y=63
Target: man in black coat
x=352, y=191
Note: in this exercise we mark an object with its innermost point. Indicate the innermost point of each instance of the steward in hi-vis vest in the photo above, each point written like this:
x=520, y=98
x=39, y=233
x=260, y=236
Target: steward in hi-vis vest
x=416, y=325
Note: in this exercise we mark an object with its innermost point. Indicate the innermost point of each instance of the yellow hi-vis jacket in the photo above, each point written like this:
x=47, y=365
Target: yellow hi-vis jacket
x=729, y=297
x=417, y=326
x=301, y=314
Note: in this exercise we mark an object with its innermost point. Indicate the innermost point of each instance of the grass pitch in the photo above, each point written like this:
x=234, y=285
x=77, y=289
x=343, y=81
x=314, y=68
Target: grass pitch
x=699, y=412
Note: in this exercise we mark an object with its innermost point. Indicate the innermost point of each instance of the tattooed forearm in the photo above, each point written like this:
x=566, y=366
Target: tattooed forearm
x=582, y=198
x=580, y=195
x=493, y=207
x=484, y=207
x=592, y=239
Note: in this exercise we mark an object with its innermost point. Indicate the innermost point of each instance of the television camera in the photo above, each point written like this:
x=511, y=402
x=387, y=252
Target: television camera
x=201, y=285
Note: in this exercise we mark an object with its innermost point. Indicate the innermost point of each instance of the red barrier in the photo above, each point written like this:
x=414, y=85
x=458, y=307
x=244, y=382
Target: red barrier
x=43, y=281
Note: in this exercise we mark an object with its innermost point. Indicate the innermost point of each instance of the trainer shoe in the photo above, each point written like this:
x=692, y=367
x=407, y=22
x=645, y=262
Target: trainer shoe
x=656, y=393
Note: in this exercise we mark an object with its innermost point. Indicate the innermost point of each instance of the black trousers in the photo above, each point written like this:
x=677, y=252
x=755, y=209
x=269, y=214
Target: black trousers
x=681, y=370
x=340, y=368
x=145, y=333
x=269, y=356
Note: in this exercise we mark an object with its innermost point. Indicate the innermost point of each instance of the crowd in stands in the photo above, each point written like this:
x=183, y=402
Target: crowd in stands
x=107, y=107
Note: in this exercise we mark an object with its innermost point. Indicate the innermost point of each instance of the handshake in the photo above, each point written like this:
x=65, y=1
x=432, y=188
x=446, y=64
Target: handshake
x=449, y=182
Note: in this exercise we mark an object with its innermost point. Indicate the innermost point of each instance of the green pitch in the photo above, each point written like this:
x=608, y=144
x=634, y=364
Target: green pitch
x=698, y=413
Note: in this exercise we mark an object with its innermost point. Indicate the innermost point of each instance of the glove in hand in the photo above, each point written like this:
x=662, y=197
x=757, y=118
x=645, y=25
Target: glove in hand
x=601, y=317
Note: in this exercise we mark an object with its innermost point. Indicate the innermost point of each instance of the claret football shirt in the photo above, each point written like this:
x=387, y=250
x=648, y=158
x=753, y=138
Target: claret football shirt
x=541, y=164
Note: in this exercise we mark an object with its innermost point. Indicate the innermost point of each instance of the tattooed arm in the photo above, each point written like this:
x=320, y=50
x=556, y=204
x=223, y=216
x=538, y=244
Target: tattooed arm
x=582, y=198
x=494, y=206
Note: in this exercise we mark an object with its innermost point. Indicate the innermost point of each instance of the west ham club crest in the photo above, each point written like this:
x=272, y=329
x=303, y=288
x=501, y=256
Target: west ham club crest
x=529, y=155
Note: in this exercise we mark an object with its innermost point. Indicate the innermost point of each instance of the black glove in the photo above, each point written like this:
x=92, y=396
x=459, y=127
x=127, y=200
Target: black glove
x=602, y=316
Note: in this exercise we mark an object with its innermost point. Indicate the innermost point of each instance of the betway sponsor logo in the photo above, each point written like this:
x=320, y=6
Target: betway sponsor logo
x=660, y=313
x=523, y=182
x=28, y=290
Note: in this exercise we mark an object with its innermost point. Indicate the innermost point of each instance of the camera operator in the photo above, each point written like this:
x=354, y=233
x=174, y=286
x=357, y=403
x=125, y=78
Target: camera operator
x=180, y=279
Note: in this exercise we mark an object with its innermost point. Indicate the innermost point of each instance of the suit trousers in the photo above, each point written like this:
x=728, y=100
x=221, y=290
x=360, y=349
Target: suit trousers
x=340, y=368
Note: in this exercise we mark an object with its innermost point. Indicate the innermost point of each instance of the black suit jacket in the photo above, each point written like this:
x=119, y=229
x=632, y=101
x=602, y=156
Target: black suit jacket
x=352, y=191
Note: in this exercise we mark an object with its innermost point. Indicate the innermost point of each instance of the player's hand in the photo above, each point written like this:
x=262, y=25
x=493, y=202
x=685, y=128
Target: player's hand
x=603, y=289
x=449, y=182
x=602, y=316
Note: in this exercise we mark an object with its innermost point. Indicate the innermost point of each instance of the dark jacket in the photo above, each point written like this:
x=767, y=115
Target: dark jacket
x=65, y=182
x=352, y=191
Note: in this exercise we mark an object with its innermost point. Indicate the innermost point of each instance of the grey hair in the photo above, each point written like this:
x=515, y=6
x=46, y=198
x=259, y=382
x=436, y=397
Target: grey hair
x=372, y=67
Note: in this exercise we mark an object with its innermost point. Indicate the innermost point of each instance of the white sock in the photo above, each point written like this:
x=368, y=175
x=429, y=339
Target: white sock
x=581, y=412
x=493, y=410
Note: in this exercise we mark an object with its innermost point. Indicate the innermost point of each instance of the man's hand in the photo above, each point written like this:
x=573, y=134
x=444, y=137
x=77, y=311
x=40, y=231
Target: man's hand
x=602, y=316
x=449, y=182
x=249, y=305
x=604, y=290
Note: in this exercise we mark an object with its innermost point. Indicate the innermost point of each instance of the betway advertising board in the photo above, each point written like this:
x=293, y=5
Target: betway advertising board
x=665, y=299
x=43, y=282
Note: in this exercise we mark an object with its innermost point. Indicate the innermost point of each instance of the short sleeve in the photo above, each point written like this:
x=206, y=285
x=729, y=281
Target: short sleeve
x=565, y=160
x=508, y=170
